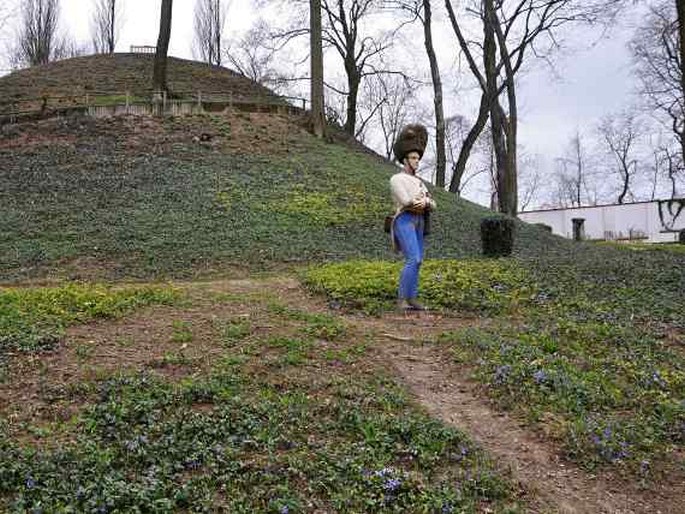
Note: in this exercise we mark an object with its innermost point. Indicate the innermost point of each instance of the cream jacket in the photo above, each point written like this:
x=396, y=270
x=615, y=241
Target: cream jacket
x=407, y=189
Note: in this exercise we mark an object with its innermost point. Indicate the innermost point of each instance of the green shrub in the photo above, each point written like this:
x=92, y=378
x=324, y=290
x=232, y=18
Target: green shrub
x=497, y=236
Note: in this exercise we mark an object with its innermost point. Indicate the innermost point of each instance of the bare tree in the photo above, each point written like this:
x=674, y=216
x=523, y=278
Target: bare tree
x=343, y=32
x=422, y=10
x=5, y=16
x=572, y=177
x=530, y=181
x=512, y=30
x=210, y=18
x=316, y=66
x=437, y=96
x=620, y=134
x=383, y=104
x=39, y=42
x=666, y=163
x=396, y=94
x=105, y=25
x=481, y=162
x=461, y=138
x=159, y=82
x=658, y=54
x=468, y=140
x=255, y=56
x=347, y=29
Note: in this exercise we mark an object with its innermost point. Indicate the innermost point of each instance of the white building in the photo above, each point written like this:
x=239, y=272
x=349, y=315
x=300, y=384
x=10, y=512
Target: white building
x=657, y=221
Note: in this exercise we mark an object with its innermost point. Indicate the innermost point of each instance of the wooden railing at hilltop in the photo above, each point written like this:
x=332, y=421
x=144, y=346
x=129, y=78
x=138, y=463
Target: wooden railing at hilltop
x=109, y=103
x=143, y=49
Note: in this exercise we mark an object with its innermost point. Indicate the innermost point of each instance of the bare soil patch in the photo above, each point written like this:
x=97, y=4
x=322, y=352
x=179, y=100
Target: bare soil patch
x=44, y=388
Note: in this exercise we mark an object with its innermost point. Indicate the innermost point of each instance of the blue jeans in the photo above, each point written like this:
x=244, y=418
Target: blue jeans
x=408, y=232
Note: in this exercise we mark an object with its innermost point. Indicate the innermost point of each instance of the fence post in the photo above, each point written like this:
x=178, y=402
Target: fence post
x=163, y=102
x=128, y=110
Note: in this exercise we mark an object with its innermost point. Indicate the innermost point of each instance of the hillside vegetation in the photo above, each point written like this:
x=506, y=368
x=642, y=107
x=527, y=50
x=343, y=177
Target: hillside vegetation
x=300, y=390
x=130, y=197
x=116, y=74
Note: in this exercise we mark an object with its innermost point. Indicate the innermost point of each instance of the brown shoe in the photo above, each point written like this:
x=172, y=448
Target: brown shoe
x=416, y=306
x=403, y=305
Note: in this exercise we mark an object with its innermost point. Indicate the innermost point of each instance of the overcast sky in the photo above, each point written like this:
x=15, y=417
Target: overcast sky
x=596, y=76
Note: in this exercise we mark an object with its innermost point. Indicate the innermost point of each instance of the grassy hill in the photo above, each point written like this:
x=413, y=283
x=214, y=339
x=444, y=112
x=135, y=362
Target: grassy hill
x=256, y=395
x=144, y=197
x=112, y=74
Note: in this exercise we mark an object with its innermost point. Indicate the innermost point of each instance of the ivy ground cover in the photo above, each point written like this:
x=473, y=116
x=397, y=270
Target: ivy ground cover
x=588, y=347
x=281, y=411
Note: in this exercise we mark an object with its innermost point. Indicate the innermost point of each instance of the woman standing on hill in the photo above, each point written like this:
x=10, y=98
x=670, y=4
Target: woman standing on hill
x=412, y=204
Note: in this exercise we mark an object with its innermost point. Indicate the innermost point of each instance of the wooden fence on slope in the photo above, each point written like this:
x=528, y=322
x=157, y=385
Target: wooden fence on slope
x=108, y=103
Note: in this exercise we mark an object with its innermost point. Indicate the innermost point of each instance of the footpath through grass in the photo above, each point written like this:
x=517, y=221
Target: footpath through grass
x=590, y=346
x=290, y=415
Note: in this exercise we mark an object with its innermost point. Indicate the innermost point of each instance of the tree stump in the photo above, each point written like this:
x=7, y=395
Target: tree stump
x=681, y=237
x=497, y=236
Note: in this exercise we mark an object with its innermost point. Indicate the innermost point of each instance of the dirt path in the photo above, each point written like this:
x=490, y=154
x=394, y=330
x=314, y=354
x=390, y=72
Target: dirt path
x=404, y=346
x=446, y=391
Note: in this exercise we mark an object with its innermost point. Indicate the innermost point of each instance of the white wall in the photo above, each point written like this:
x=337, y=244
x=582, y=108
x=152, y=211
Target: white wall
x=640, y=220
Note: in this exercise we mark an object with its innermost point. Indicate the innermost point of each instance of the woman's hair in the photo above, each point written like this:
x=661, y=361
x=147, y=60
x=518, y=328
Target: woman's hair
x=412, y=138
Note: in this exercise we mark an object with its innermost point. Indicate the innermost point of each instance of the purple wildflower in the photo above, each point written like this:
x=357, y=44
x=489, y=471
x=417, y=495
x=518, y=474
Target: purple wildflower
x=502, y=374
x=542, y=297
x=658, y=380
x=383, y=472
x=540, y=376
x=192, y=464
x=392, y=484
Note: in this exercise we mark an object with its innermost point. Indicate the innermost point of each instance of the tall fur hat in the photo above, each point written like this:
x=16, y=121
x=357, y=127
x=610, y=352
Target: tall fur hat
x=412, y=138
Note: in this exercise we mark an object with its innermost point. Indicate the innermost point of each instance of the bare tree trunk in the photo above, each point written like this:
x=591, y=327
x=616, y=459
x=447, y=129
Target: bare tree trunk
x=111, y=27
x=625, y=172
x=159, y=77
x=484, y=109
x=316, y=85
x=343, y=30
x=104, y=26
x=353, y=81
x=209, y=18
x=217, y=32
x=680, y=7
x=437, y=98
x=579, y=169
x=672, y=171
x=497, y=118
x=464, y=153
x=509, y=193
